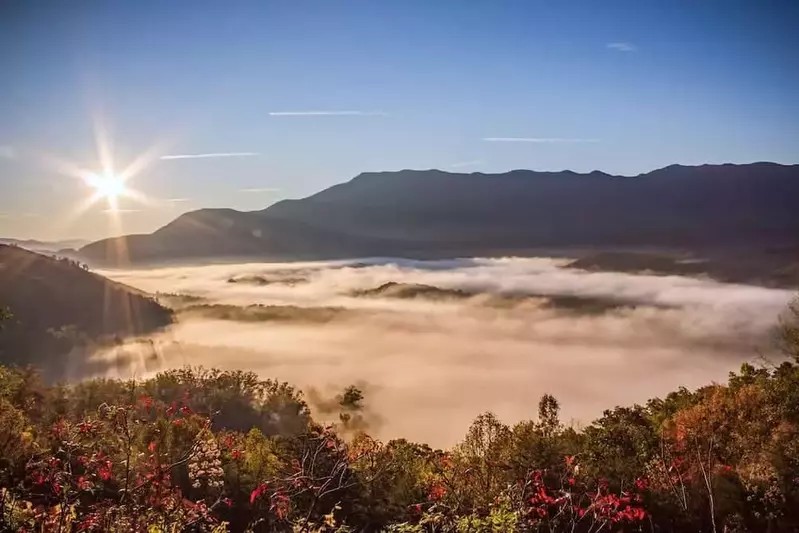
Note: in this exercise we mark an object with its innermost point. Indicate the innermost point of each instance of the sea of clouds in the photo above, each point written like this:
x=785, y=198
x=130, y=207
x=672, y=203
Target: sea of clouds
x=429, y=367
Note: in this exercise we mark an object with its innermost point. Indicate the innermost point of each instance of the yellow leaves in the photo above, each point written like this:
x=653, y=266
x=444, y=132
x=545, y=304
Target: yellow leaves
x=330, y=519
x=260, y=455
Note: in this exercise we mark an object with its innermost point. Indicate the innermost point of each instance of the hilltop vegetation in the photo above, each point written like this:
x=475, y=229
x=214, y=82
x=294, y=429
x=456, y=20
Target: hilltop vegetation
x=204, y=450
x=265, y=313
x=562, y=302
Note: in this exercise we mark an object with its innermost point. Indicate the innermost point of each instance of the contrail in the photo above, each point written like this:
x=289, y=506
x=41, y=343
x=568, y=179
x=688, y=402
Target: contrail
x=201, y=156
x=325, y=113
x=538, y=140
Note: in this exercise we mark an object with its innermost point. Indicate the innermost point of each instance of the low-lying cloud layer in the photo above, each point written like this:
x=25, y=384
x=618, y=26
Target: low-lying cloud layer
x=432, y=365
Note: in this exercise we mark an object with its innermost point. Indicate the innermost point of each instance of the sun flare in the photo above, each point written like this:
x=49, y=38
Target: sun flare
x=108, y=186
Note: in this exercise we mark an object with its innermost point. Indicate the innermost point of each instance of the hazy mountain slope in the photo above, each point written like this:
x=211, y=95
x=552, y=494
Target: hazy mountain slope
x=424, y=213
x=45, y=246
x=48, y=294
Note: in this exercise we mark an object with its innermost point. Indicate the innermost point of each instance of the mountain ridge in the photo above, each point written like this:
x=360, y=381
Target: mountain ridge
x=421, y=213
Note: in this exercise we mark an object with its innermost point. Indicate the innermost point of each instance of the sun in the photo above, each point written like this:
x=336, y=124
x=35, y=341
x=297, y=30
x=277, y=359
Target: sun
x=108, y=186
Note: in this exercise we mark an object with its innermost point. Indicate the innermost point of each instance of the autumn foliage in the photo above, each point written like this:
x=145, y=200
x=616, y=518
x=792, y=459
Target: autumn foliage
x=206, y=450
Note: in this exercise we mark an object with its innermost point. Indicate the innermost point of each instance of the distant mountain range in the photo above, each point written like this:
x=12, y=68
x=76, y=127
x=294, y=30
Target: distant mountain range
x=56, y=305
x=702, y=209
x=46, y=246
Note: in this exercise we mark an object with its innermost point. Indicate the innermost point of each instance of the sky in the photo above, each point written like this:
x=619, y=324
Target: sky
x=284, y=98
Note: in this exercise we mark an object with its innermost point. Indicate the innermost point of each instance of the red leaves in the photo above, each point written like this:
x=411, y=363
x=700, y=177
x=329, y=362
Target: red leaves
x=151, y=447
x=59, y=429
x=104, y=472
x=86, y=427
x=146, y=401
x=254, y=495
x=614, y=508
x=280, y=505
x=571, y=501
x=437, y=491
x=90, y=522
x=227, y=502
x=236, y=454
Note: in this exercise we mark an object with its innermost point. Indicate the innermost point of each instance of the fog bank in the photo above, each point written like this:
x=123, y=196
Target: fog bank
x=431, y=366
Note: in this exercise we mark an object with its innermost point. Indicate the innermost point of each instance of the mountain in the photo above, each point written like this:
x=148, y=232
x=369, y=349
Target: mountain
x=435, y=213
x=46, y=246
x=57, y=302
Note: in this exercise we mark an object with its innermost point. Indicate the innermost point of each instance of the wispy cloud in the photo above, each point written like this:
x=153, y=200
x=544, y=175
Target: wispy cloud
x=472, y=163
x=538, y=140
x=622, y=47
x=209, y=155
x=327, y=113
x=259, y=190
x=170, y=203
x=121, y=211
x=7, y=152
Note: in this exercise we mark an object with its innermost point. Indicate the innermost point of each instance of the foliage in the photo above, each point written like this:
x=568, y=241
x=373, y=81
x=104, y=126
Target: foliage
x=206, y=450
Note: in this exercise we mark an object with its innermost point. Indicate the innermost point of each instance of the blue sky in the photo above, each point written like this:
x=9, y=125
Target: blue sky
x=623, y=87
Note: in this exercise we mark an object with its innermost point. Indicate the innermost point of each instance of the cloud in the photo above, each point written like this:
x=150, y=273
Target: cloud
x=327, y=113
x=506, y=353
x=121, y=211
x=622, y=47
x=462, y=164
x=7, y=152
x=538, y=140
x=168, y=203
x=209, y=155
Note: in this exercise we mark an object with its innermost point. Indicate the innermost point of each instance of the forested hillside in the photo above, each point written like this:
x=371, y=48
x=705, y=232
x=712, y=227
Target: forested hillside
x=200, y=450
x=57, y=304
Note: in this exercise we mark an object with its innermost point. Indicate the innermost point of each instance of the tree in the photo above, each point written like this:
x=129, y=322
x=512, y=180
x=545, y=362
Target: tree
x=788, y=338
x=548, y=411
x=5, y=315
